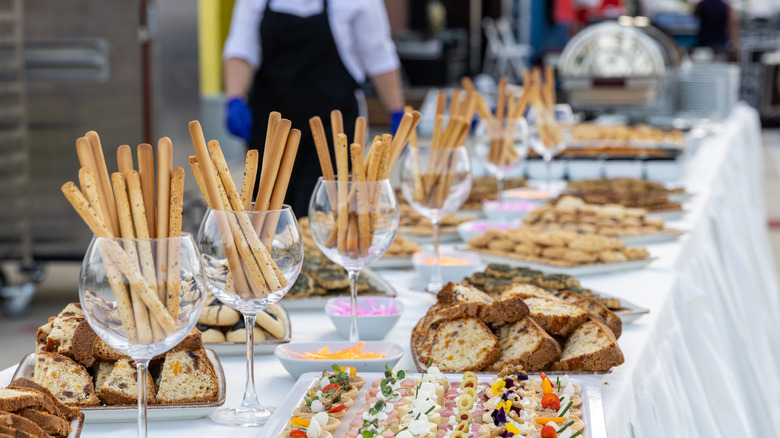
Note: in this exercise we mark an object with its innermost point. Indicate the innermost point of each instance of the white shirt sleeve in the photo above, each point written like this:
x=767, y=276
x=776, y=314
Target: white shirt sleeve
x=243, y=40
x=374, y=45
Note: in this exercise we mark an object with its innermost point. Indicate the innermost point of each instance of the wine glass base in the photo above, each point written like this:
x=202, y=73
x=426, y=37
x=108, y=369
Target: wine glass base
x=241, y=416
x=433, y=288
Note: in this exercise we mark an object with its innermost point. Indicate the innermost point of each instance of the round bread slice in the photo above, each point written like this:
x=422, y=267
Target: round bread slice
x=464, y=344
x=591, y=347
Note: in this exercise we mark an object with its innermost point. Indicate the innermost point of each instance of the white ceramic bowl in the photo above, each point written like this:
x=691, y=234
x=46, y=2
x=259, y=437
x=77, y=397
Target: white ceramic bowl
x=470, y=229
x=449, y=272
x=509, y=210
x=370, y=327
x=297, y=366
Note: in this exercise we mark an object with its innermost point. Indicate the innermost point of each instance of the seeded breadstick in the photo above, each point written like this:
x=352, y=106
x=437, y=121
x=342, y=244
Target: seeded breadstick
x=250, y=174
x=87, y=159
x=359, y=181
x=196, y=172
x=164, y=163
x=174, y=250
x=342, y=167
x=126, y=226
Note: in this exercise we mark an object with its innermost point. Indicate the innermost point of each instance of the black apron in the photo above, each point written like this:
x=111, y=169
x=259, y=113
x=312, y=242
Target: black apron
x=301, y=75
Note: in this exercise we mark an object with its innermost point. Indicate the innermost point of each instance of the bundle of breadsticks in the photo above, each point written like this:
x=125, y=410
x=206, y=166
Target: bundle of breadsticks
x=354, y=208
x=432, y=185
x=145, y=278
x=252, y=272
x=541, y=98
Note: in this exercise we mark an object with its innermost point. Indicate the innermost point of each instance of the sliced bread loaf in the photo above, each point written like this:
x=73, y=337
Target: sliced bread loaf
x=525, y=344
x=468, y=301
x=15, y=399
x=556, y=316
x=187, y=377
x=19, y=423
x=60, y=338
x=591, y=347
x=25, y=383
x=67, y=380
x=464, y=344
x=597, y=310
x=121, y=386
x=52, y=424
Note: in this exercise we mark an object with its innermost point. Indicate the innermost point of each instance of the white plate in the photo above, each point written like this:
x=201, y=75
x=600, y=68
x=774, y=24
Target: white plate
x=261, y=347
x=316, y=303
x=647, y=239
x=393, y=263
x=575, y=271
x=470, y=229
x=592, y=409
x=155, y=412
x=297, y=366
x=630, y=312
x=450, y=237
x=670, y=215
x=75, y=427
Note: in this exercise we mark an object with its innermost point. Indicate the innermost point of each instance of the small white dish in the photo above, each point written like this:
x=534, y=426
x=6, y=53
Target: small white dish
x=470, y=229
x=624, y=169
x=537, y=169
x=585, y=169
x=296, y=366
x=371, y=327
x=509, y=210
x=454, y=265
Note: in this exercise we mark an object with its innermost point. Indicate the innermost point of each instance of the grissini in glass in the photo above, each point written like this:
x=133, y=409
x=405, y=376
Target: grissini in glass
x=252, y=252
x=354, y=217
x=141, y=285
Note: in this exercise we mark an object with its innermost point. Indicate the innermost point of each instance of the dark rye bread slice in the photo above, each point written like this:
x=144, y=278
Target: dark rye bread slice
x=464, y=344
x=525, y=344
x=591, y=347
x=597, y=310
x=52, y=424
x=67, y=380
x=68, y=412
x=121, y=386
x=468, y=301
x=17, y=422
x=556, y=316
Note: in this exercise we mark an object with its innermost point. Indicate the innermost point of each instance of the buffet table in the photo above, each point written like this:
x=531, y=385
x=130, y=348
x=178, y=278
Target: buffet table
x=696, y=365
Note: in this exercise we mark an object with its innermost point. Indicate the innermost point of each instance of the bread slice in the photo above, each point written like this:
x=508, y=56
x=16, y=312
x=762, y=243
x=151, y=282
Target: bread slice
x=83, y=344
x=526, y=344
x=464, y=344
x=8, y=432
x=424, y=331
x=20, y=423
x=42, y=334
x=64, y=410
x=63, y=327
x=121, y=386
x=556, y=316
x=187, y=377
x=525, y=291
x=52, y=424
x=102, y=371
x=597, y=310
x=591, y=347
x=67, y=380
x=468, y=301
x=15, y=399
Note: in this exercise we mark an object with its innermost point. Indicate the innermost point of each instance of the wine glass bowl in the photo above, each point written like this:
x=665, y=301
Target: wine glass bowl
x=355, y=233
x=134, y=306
x=436, y=182
x=251, y=260
x=551, y=133
x=502, y=147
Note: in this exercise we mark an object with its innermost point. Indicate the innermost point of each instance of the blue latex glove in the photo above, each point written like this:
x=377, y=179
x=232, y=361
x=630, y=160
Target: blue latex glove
x=238, y=118
x=395, y=120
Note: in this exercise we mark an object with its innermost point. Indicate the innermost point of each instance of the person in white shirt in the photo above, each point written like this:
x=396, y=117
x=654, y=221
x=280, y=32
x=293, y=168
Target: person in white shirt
x=305, y=58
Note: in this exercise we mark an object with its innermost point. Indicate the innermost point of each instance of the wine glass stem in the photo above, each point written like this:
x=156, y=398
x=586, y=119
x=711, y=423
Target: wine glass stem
x=141, y=368
x=548, y=170
x=250, y=395
x=434, y=283
x=354, y=336
x=500, y=189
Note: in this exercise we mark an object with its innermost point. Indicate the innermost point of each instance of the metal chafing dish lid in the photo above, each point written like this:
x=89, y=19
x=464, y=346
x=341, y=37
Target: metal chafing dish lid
x=612, y=50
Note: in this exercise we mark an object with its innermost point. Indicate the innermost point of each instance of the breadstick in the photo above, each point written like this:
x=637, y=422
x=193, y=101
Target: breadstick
x=353, y=249
x=359, y=180
x=271, y=165
x=146, y=172
x=318, y=132
x=101, y=175
x=336, y=125
x=455, y=102
x=223, y=172
x=549, y=77
x=342, y=166
x=87, y=159
x=501, y=99
x=250, y=174
x=360, y=131
x=400, y=138
x=164, y=163
x=273, y=121
x=285, y=169
x=87, y=213
x=126, y=226
x=173, y=288
x=124, y=159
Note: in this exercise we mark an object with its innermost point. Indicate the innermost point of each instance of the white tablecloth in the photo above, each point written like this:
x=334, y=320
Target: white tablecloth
x=703, y=362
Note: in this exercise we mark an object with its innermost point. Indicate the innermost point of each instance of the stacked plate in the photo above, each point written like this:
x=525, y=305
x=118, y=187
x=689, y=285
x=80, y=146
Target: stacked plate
x=708, y=90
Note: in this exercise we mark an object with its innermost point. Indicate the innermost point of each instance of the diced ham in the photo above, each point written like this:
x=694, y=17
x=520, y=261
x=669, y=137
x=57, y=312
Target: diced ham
x=408, y=383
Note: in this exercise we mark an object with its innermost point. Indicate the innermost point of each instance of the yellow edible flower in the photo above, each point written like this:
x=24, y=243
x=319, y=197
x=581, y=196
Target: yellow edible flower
x=512, y=428
x=505, y=404
x=498, y=387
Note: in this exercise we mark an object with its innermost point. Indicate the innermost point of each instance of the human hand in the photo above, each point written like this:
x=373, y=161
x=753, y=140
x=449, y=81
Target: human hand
x=395, y=120
x=238, y=118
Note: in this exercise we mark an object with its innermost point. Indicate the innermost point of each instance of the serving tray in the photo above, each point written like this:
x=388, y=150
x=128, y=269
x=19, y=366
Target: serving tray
x=317, y=303
x=261, y=347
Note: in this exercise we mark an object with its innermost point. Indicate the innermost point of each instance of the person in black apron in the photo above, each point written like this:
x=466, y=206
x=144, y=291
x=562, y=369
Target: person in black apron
x=301, y=75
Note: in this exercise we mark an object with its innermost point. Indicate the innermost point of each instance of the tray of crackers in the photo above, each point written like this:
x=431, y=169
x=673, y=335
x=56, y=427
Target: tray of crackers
x=485, y=188
x=628, y=192
x=632, y=225
x=417, y=227
x=398, y=255
x=80, y=369
x=560, y=251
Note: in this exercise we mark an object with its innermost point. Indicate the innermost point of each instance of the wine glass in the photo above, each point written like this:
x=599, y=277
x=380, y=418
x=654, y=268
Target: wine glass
x=436, y=182
x=355, y=232
x=136, y=310
x=250, y=259
x=551, y=132
x=502, y=146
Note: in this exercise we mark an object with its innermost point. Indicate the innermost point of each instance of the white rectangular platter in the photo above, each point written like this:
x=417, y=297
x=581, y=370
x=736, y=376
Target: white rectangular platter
x=155, y=412
x=576, y=271
x=261, y=347
x=592, y=409
x=317, y=303
x=649, y=239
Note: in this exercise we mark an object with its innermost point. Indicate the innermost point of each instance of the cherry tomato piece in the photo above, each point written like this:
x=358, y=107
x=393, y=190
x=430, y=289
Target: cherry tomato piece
x=551, y=401
x=331, y=387
x=549, y=432
x=338, y=408
x=297, y=433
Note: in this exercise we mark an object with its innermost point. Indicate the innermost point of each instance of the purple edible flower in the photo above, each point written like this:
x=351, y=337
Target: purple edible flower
x=509, y=382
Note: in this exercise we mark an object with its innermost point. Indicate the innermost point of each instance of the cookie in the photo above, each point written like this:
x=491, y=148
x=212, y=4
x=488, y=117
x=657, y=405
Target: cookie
x=237, y=333
x=496, y=285
x=636, y=253
x=271, y=322
x=303, y=285
x=331, y=278
x=217, y=314
x=210, y=334
x=500, y=271
x=478, y=279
